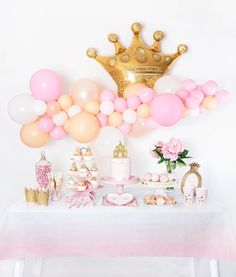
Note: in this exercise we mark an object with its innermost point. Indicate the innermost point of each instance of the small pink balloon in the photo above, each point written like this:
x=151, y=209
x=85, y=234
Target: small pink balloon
x=107, y=95
x=120, y=105
x=183, y=94
x=197, y=93
x=53, y=108
x=46, y=124
x=210, y=88
x=166, y=109
x=45, y=85
x=133, y=102
x=150, y=124
x=222, y=96
x=125, y=128
x=146, y=95
x=102, y=118
x=57, y=133
x=192, y=103
x=188, y=84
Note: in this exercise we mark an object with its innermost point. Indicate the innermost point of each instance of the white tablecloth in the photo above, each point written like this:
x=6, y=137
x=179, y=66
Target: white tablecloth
x=56, y=230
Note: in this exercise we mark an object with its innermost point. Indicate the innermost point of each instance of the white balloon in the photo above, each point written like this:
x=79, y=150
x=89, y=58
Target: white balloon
x=20, y=109
x=39, y=107
x=107, y=140
x=107, y=107
x=167, y=84
x=60, y=118
x=129, y=116
x=194, y=112
x=73, y=110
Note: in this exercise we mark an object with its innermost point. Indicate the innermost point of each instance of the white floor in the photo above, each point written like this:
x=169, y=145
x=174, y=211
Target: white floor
x=117, y=267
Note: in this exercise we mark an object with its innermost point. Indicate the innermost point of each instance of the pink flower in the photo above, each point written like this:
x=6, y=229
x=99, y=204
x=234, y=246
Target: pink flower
x=172, y=149
x=175, y=146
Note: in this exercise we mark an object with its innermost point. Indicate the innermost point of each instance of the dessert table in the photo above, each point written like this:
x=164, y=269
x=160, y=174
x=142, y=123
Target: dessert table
x=175, y=231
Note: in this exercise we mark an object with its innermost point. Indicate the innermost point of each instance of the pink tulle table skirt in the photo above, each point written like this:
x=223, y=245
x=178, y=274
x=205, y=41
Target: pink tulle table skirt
x=28, y=231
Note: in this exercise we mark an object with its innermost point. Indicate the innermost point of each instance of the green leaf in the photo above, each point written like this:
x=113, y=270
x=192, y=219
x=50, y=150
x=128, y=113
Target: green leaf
x=161, y=160
x=181, y=163
x=184, y=154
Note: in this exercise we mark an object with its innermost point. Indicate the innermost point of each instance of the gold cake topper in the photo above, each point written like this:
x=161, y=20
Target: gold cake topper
x=120, y=151
x=138, y=63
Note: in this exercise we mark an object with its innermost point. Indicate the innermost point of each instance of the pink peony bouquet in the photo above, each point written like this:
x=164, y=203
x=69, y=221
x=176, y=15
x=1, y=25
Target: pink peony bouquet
x=171, y=153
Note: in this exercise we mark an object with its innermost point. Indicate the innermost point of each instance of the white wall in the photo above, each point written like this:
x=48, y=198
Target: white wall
x=56, y=34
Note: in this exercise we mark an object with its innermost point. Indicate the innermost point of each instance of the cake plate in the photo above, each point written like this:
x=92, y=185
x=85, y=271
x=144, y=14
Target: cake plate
x=120, y=197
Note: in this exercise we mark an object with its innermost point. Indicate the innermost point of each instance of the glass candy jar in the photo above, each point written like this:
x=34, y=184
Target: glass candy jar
x=42, y=170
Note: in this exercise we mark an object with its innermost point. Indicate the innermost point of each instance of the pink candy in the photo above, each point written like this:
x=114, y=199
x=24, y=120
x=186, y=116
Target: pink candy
x=42, y=172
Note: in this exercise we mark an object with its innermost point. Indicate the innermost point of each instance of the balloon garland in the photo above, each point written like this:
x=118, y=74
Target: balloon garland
x=48, y=114
x=146, y=99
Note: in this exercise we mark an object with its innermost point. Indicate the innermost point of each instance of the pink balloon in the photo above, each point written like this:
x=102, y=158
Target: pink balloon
x=167, y=109
x=183, y=94
x=46, y=124
x=120, y=105
x=125, y=128
x=222, y=96
x=57, y=133
x=192, y=102
x=146, y=95
x=210, y=88
x=45, y=85
x=188, y=84
x=107, y=95
x=133, y=102
x=150, y=124
x=197, y=93
x=102, y=118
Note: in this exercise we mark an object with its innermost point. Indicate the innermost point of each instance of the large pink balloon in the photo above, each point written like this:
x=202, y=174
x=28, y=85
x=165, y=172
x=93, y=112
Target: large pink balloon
x=84, y=90
x=167, y=109
x=45, y=85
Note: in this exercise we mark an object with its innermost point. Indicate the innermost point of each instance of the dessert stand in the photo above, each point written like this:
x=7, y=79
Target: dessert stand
x=120, y=197
x=82, y=179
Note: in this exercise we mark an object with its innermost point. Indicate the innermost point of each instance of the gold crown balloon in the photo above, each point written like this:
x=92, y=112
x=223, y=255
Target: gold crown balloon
x=138, y=63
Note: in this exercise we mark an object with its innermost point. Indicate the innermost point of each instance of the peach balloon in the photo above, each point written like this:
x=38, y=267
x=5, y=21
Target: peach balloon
x=185, y=112
x=209, y=103
x=53, y=108
x=84, y=127
x=92, y=107
x=32, y=136
x=67, y=125
x=65, y=101
x=115, y=119
x=133, y=89
x=84, y=90
x=138, y=129
x=143, y=111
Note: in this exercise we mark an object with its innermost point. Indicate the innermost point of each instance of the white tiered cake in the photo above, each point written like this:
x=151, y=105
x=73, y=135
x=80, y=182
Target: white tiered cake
x=120, y=163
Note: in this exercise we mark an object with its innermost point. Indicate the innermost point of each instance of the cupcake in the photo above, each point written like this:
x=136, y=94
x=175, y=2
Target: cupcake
x=94, y=170
x=88, y=155
x=83, y=171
